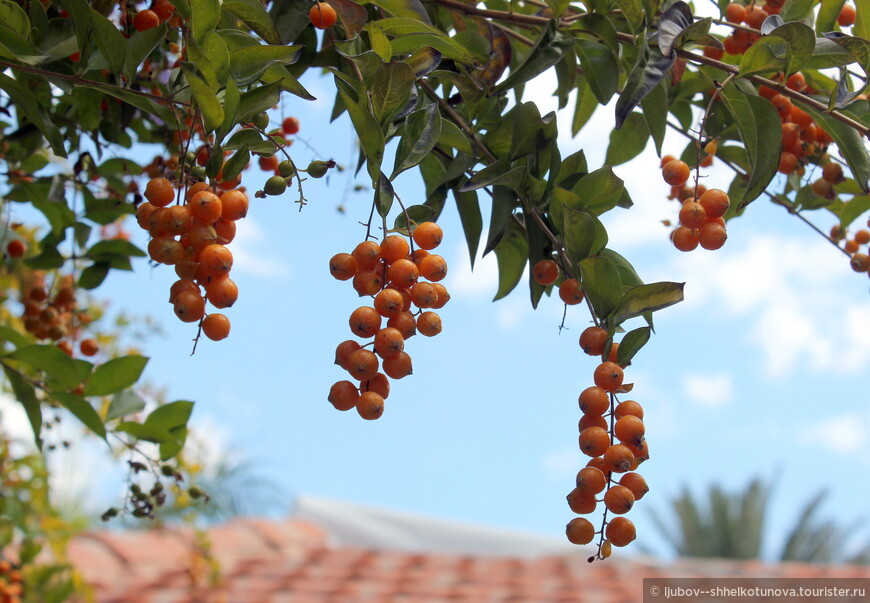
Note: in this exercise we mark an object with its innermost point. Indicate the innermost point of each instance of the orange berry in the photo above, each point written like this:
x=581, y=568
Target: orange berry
x=676, y=172
x=429, y=324
x=343, y=395
x=225, y=231
x=403, y=273
x=433, y=267
x=388, y=342
x=216, y=326
x=370, y=405
x=851, y=246
x=714, y=53
x=545, y=272
x=591, y=480
x=362, y=364
x=580, y=531
x=581, y=503
x=592, y=420
x=89, y=347
x=428, y=235
x=215, y=261
x=823, y=188
x=860, y=262
x=343, y=352
x=685, y=239
x=608, y=376
x=787, y=162
x=618, y=458
x=629, y=429
x=712, y=236
x=715, y=202
x=592, y=340
x=290, y=125
x=189, y=306
x=782, y=104
x=398, y=366
x=847, y=16
x=619, y=499
x=405, y=323
x=393, y=248
x=570, y=292
x=222, y=292
x=862, y=237
x=735, y=13
x=832, y=172
x=365, y=322
x=594, y=441
x=424, y=295
x=594, y=401
x=367, y=282
x=378, y=384
x=322, y=15
x=620, y=531
x=234, y=205
x=343, y=266
x=16, y=248
x=194, y=189
x=159, y=192
x=665, y=160
x=692, y=214
x=269, y=164
x=145, y=19
x=628, y=408
x=756, y=17
x=205, y=206
x=796, y=81
x=199, y=236
x=143, y=215
x=636, y=483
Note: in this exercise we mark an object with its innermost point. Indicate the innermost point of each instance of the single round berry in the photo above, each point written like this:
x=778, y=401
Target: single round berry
x=145, y=19
x=343, y=395
x=570, y=292
x=676, y=172
x=580, y=531
x=370, y=405
x=620, y=531
x=216, y=326
x=545, y=272
x=428, y=235
x=619, y=499
x=608, y=376
x=322, y=15
x=592, y=340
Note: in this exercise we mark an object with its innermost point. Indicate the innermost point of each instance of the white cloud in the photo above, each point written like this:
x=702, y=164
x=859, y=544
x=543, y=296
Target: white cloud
x=710, y=391
x=251, y=252
x=842, y=434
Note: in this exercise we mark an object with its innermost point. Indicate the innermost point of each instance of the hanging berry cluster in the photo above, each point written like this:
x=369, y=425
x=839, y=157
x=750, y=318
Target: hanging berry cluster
x=399, y=279
x=193, y=237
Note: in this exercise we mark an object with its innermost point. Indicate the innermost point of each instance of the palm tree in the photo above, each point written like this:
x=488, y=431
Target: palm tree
x=732, y=525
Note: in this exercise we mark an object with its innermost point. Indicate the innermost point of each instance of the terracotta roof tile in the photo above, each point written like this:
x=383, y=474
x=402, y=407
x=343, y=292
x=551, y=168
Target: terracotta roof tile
x=291, y=562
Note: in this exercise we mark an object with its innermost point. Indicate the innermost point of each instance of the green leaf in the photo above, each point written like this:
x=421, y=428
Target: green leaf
x=512, y=254
x=384, y=196
x=859, y=48
x=601, y=283
x=114, y=247
x=257, y=100
x=124, y=403
x=143, y=431
x=599, y=191
x=627, y=143
x=26, y=102
x=584, y=234
x=391, y=89
x=172, y=415
x=136, y=100
x=850, y=144
x=548, y=50
x=798, y=10
x=247, y=64
x=449, y=48
x=765, y=56
x=370, y=135
x=631, y=344
x=411, y=9
x=828, y=13
x=110, y=41
x=170, y=448
x=208, y=103
x=353, y=16
x=672, y=24
x=600, y=68
x=497, y=173
x=829, y=54
x=649, y=70
x=49, y=359
x=633, y=12
x=254, y=15
x=584, y=107
x=25, y=394
x=139, y=46
x=655, y=114
x=83, y=411
x=14, y=18
x=472, y=222
x=801, y=41
x=761, y=131
x=205, y=15
x=419, y=136
x=115, y=375
x=647, y=298
x=94, y=275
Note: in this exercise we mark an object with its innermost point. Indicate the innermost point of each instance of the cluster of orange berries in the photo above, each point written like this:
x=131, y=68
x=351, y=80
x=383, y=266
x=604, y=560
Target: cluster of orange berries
x=55, y=316
x=701, y=218
x=11, y=583
x=860, y=261
x=395, y=276
x=614, y=435
x=193, y=237
x=546, y=272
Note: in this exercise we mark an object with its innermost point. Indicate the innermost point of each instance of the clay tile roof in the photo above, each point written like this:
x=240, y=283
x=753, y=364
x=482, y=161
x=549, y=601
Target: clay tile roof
x=293, y=561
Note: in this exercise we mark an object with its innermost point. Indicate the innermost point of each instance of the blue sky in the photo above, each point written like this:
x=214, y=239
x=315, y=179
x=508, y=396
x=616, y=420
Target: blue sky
x=762, y=371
